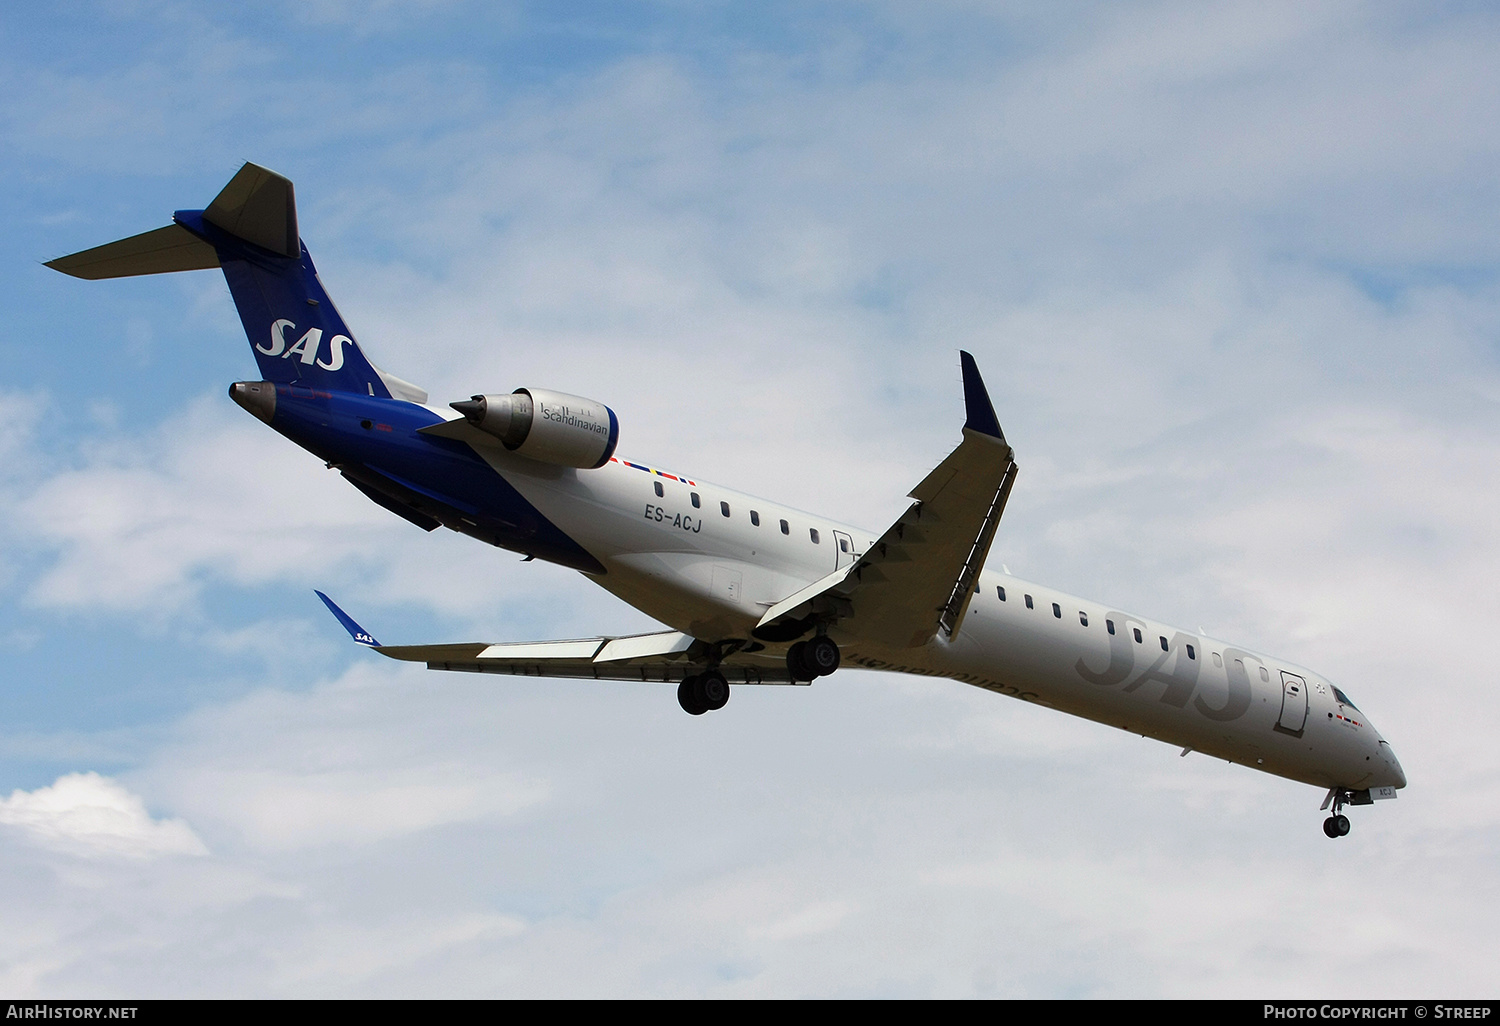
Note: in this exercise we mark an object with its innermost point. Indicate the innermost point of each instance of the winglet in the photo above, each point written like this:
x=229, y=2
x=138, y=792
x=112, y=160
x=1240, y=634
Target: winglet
x=981, y=412
x=356, y=632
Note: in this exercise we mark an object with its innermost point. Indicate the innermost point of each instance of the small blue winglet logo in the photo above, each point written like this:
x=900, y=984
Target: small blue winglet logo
x=358, y=633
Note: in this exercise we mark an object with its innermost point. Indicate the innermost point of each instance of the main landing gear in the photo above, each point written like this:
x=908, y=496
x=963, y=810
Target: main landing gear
x=813, y=658
x=806, y=660
x=703, y=692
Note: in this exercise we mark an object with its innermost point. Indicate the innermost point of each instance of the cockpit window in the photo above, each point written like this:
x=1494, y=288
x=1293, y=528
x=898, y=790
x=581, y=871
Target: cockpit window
x=1344, y=699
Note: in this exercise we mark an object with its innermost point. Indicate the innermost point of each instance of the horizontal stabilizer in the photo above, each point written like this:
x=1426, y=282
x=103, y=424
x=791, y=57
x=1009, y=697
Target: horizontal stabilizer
x=257, y=206
x=172, y=248
x=249, y=231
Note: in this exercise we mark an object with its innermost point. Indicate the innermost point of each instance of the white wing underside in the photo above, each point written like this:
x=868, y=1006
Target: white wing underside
x=662, y=658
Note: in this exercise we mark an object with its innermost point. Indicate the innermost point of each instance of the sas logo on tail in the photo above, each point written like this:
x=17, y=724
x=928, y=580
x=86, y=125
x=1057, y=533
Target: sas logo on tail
x=305, y=347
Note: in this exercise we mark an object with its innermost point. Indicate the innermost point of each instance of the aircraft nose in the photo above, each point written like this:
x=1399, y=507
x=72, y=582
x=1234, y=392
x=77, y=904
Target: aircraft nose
x=1398, y=775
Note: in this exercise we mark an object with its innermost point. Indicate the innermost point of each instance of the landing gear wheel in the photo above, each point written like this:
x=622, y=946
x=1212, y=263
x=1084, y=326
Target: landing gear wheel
x=821, y=655
x=796, y=668
x=1337, y=825
x=690, y=697
x=714, y=689
x=813, y=658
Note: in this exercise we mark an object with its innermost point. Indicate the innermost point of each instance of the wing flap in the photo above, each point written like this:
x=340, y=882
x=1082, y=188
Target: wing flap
x=557, y=651
x=645, y=646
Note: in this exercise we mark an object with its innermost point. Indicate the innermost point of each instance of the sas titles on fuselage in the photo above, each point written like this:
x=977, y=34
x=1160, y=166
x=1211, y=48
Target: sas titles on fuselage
x=1181, y=680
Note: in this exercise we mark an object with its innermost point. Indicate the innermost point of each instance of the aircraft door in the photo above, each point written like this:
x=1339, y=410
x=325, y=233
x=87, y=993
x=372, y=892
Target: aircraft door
x=844, y=546
x=1293, y=704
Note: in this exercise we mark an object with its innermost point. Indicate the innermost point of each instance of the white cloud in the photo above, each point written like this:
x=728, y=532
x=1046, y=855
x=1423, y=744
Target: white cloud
x=335, y=774
x=143, y=526
x=19, y=414
x=93, y=816
x=296, y=809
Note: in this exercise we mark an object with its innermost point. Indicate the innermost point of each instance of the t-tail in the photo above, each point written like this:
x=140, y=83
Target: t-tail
x=250, y=232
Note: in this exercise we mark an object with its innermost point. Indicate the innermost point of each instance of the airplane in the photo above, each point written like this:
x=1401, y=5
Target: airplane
x=753, y=592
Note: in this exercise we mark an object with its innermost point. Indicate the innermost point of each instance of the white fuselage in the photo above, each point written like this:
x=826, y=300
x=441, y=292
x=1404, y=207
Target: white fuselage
x=709, y=561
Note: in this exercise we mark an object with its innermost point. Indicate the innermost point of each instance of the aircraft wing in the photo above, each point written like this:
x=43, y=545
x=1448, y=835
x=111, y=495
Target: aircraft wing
x=664, y=657
x=919, y=577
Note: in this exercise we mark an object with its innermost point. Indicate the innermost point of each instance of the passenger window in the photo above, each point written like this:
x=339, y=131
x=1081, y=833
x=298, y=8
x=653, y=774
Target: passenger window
x=786, y=528
x=1264, y=675
x=1083, y=618
x=1057, y=610
x=843, y=544
x=1001, y=591
x=659, y=491
x=755, y=518
x=1109, y=625
x=1137, y=632
x=1028, y=603
x=1191, y=653
x=1164, y=644
x=696, y=503
x=812, y=533
x=724, y=508
x=1218, y=660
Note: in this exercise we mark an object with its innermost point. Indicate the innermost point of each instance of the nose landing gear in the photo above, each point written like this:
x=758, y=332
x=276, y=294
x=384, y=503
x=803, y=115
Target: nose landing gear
x=1337, y=825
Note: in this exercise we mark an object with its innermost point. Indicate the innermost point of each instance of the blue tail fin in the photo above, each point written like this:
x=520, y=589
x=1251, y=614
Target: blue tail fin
x=250, y=231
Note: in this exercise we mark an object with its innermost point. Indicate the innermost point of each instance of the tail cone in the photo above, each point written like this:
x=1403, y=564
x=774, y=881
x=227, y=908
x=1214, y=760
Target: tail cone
x=259, y=397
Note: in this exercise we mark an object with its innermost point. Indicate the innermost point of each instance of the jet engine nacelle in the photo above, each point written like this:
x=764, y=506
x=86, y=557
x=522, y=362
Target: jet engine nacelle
x=552, y=427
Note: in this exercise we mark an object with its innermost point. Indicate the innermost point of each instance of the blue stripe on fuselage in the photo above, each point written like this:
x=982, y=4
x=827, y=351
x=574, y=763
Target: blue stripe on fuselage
x=438, y=477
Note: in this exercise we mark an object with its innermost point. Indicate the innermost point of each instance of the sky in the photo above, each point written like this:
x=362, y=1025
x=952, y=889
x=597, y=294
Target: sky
x=1231, y=271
